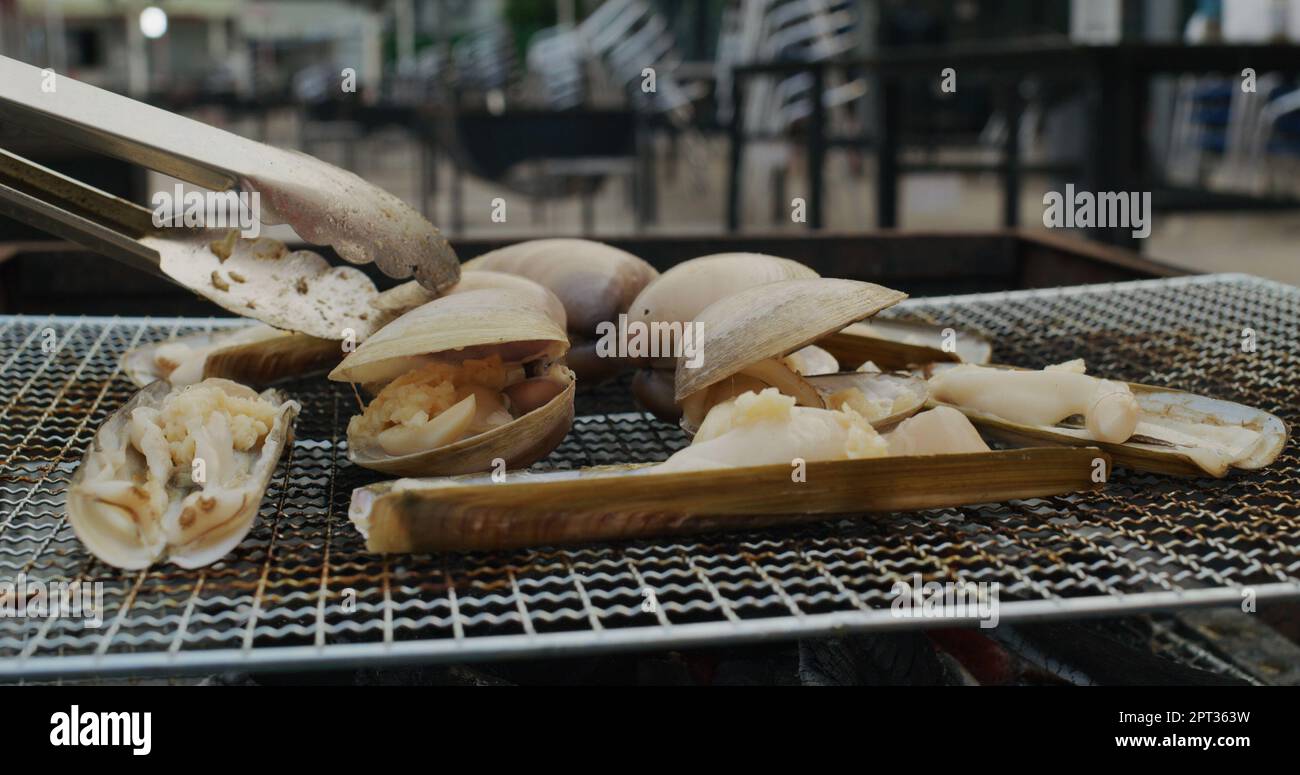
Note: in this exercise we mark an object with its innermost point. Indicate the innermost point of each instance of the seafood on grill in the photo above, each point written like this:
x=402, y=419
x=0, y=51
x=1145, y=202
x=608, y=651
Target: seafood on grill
x=178, y=473
x=674, y=300
x=463, y=383
x=255, y=355
x=397, y=301
x=1142, y=426
x=595, y=282
x=748, y=336
x=902, y=344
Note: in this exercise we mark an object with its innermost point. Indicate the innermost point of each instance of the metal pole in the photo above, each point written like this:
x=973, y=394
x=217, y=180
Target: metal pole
x=816, y=147
x=887, y=148
x=1011, y=157
x=736, y=155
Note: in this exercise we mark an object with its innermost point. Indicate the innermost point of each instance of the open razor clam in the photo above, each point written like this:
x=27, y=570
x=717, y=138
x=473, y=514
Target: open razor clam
x=178, y=473
x=901, y=344
x=460, y=383
x=254, y=355
x=1143, y=427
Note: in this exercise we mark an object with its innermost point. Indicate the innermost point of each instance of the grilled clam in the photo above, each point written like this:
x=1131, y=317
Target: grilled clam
x=462, y=382
x=407, y=296
x=178, y=473
x=902, y=344
x=254, y=355
x=747, y=337
x=1143, y=427
x=595, y=282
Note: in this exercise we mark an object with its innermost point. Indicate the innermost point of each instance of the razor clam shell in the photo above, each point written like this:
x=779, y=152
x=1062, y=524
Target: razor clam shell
x=971, y=347
x=520, y=442
x=1155, y=404
x=475, y=319
x=773, y=320
x=196, y=554
x=273, y=360
x=625, y=502
x=256, y=364
x=595, y=282
x=876, y=385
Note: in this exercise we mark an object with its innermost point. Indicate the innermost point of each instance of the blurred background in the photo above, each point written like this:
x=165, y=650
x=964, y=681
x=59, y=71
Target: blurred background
x=503, y=119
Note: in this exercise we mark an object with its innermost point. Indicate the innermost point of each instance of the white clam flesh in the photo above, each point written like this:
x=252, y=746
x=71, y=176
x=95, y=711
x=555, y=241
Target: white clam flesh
x=178, y=473
x=1043, y=398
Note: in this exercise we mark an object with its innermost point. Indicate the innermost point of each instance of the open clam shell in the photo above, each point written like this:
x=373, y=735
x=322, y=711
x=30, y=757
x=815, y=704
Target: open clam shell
x=131, y=508
x=1177, y=433
x=744, y=336
x=624, y=502
x=474, y=324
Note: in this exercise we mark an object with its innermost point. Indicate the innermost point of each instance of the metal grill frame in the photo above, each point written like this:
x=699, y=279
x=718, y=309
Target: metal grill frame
x=37, y=658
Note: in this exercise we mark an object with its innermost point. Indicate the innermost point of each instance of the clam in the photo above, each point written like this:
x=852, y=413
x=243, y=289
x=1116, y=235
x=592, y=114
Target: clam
x=178, y=473
x=463, y=383
x=748, y=335
x=1144, y=427
x=407, y=296
x=902, y=344
x=595, y=282
x=252, y=355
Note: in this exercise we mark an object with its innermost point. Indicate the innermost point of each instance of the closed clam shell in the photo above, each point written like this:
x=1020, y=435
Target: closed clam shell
x=595, y=282
x=473, y=324
x=772, y=321
x=680, y=293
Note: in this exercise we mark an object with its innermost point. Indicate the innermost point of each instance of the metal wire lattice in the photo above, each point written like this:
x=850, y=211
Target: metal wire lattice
x=301, y=590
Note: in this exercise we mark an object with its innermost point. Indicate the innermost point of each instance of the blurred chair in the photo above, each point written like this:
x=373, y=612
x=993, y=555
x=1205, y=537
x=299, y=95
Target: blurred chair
x=1276, y=135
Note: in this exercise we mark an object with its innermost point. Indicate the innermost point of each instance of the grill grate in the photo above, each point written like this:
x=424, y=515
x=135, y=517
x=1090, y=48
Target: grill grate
x=301, y=591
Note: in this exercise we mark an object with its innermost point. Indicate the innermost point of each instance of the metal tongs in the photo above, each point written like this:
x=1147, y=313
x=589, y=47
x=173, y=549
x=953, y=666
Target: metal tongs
x=324, y=204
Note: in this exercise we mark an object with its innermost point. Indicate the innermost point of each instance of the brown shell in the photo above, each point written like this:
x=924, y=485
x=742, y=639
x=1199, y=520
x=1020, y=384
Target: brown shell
x=595, y=282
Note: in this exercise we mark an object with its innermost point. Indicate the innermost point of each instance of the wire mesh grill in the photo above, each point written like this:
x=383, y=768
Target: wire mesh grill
x=301, y=590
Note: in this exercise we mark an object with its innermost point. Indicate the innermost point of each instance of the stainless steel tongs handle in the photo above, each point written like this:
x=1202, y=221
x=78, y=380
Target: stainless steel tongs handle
x=75, y=211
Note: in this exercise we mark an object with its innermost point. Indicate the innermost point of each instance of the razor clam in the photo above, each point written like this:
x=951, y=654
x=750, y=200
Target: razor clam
x=902, y=344
x=625, y=502
x=254, y=355
x=497, y=347
x=747, y=335
x=1175, y=432
x=595, y=282
x=132, y=501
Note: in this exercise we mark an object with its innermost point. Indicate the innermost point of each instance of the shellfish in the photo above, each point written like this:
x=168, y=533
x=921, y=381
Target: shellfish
x=1143, y=427
x=595, y=282
x=178, y=473
x=463, y=382
x=255, y=355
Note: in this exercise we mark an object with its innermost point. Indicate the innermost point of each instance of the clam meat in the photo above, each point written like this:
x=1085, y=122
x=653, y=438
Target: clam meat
x=178, y=473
